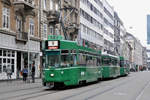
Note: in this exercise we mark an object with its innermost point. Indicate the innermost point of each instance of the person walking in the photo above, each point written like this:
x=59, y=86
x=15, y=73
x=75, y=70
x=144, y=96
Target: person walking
x=25, y=73
x=33, y=73
x=9, y=73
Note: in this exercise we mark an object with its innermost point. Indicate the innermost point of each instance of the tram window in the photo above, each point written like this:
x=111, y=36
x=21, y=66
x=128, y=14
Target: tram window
x=82, y=60
x=106, y=61
x=89, y=61
x=65, y=60
x=98, y=63
x=53, y=60
x=73, y=60
x=114, y=62
x=73, y=51
x=65, y=51
x=94, y=62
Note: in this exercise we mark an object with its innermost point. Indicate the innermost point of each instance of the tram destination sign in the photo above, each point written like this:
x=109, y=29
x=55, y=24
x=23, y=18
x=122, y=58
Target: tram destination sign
x=53, y=44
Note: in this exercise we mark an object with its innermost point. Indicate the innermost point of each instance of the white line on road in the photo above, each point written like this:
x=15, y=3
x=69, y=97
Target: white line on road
x=142, y=92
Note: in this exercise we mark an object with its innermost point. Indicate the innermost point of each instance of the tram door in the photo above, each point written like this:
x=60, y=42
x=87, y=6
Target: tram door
x=18, y=63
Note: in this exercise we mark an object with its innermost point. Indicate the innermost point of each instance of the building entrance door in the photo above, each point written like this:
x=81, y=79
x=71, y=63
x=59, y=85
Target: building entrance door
x=18, y=64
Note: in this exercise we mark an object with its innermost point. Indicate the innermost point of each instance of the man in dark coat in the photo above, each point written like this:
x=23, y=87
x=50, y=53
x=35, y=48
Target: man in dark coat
x=33, y=73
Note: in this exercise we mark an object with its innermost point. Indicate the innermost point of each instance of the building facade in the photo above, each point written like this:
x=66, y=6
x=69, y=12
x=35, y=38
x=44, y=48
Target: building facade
x=97, y=25
x=117, y=23
x=108, y=27
x=144, y=56
x=136, y=54
x=59, y=17
x=18, y=36
x=148, y=56
x=91, y=23
x=148, y=29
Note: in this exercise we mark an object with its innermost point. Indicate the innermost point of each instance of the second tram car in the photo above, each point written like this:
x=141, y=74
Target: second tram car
x=110, y=66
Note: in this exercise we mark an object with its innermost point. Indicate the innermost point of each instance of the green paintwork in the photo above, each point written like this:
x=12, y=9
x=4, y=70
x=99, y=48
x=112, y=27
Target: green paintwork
x=110, y=71
x=121, y=58
x=55, y=37
x=124, y=70
x=72, y=75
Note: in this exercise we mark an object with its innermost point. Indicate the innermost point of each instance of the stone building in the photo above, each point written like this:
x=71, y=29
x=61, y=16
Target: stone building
x=136, y=53
x=59, y=17
x=19, y=35
x=145, y=57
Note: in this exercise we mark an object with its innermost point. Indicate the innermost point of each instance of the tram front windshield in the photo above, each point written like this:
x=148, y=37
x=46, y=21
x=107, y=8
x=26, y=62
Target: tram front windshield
x=52, y=60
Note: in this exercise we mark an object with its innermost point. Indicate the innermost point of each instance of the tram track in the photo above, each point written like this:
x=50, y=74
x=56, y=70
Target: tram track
x=17, y=90
x=142, y=90
x=99, y=93
x=28, y=95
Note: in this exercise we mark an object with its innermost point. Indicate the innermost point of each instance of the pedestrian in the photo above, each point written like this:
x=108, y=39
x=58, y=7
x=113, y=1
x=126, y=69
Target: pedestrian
x=33, y=73
x=25, y=73
x=9, y=73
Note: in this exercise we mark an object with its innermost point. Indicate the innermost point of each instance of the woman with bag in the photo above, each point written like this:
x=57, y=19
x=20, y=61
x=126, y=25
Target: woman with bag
x=25, y=73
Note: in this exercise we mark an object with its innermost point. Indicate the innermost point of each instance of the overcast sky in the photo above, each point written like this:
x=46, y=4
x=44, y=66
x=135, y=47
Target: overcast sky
x=133, y=13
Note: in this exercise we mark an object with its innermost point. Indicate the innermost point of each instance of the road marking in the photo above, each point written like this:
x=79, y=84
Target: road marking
x=142, y=92
x=120, y=93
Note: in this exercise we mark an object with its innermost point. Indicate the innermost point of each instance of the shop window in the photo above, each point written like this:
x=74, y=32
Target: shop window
x=4, y=53
x=12, y=68
x=8, y=53
x=0, y=52
x=8, y=60
x=0, y=60
x=13, y=53
x=4, y=60
x=4, y=68
x=12, y=61
x=0, y=68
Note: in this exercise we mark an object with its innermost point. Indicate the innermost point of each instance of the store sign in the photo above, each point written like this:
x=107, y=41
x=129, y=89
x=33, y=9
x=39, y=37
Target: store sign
x=53, y=45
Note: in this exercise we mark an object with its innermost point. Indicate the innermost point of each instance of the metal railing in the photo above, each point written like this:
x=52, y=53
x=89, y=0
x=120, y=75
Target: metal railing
x=22, y=36
x=31, y=2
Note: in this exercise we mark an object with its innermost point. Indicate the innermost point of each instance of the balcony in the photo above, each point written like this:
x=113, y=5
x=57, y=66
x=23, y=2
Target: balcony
x=53, y=16
x=22, y=36
x=24, y=4
x=7, y=2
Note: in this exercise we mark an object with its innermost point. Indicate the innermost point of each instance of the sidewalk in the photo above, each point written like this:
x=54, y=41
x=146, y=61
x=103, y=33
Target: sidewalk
x=18, y=82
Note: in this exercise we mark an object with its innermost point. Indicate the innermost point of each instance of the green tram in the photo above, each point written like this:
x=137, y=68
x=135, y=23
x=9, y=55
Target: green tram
x=66, y=63
x=110, y=66
x=124, y=67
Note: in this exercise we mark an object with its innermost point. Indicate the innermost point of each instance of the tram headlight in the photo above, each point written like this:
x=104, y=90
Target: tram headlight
x=62, y=72
x=52, y=75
